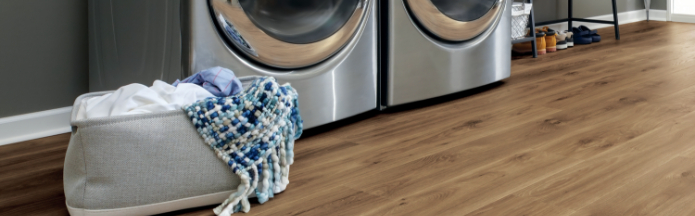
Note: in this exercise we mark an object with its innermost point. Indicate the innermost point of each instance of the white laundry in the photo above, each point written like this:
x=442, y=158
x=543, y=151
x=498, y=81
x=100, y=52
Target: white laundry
x=139, y=99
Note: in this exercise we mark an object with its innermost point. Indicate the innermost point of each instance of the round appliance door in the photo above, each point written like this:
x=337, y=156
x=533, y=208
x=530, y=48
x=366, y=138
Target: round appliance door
x=456, y=20
x=289, y=34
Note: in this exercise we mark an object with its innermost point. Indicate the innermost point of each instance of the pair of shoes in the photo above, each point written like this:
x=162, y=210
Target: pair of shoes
x=541, y=44
x=569, y=38
x=561, y=40
x=527, y=47
x=551, y=38
x=584, y=35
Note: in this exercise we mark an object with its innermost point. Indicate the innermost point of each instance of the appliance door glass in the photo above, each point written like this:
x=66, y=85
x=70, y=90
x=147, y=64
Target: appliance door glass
x=289, y=34
x=455, y=20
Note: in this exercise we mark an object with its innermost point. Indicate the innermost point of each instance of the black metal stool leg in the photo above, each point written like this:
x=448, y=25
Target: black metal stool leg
x=615, y=19
x=532, y=21
x=569, y=15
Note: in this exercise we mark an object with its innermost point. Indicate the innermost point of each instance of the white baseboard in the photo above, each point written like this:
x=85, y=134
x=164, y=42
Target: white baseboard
x=658, y=15
x=623, y=18
x=34, y=125
x=686, y=18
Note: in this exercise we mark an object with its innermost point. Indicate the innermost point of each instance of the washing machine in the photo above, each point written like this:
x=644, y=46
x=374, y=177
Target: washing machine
x=326, y=49
x=432, y=48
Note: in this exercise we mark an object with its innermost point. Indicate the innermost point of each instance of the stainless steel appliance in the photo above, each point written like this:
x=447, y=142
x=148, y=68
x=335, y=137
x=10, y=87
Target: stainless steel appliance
x=432, y=48
x=326, y=49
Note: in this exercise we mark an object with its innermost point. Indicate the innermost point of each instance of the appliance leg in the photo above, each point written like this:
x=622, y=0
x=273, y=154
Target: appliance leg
x=647, y=5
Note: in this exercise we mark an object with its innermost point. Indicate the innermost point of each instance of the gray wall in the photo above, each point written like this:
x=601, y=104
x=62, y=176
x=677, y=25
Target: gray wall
x=658, y=4
x=43, y=54
x=545, y=10
x=557, y=9
x=133, y=41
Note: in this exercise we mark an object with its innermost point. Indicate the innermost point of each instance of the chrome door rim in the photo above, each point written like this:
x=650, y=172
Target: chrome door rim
x=263, y=48
x=447, y=28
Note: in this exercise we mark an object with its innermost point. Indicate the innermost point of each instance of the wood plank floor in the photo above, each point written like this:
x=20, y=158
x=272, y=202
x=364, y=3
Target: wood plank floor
x=601, y=129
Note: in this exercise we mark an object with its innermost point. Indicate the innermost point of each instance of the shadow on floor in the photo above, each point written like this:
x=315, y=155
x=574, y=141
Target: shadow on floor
x=404, y=107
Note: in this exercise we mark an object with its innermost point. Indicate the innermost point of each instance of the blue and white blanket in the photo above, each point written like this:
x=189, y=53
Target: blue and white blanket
x=252, y=132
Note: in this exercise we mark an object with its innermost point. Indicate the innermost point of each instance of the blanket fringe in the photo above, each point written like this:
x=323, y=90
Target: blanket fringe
x=254, y=134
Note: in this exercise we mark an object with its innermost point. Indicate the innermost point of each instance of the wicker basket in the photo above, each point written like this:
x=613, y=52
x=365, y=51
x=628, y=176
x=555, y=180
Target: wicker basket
x=520, y=12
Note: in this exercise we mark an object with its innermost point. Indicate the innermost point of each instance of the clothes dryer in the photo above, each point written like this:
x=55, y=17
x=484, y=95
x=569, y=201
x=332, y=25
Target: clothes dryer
x=432, y=48
x=326, y=49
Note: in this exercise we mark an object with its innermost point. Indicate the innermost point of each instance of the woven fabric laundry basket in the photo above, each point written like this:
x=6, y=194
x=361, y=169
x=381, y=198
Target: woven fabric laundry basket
x=141, y=165
x=520, y=18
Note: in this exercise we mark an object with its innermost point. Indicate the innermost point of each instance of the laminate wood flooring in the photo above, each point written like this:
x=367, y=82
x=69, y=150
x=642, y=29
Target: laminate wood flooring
x=600, y=129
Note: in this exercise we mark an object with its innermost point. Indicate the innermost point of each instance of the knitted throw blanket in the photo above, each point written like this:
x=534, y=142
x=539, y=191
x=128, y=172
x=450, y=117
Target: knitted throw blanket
x=253, y=132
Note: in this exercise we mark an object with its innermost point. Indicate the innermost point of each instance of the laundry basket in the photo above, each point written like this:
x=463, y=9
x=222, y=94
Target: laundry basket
x=520, y=13
x=141, y=165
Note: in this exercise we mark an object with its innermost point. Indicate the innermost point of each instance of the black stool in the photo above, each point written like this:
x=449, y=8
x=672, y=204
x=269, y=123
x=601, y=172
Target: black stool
x=570, y=19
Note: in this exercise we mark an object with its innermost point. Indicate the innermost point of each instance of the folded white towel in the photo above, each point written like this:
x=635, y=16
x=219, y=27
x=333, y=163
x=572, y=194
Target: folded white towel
x=137, y=99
